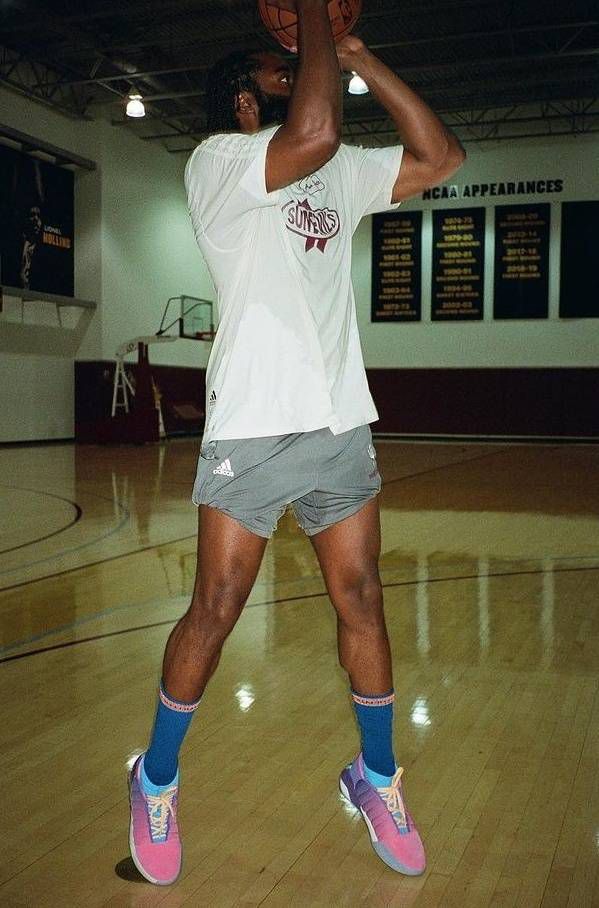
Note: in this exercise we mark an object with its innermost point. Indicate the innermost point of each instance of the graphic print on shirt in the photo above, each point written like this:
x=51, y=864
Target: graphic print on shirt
x=316, y=225
x=309, y=185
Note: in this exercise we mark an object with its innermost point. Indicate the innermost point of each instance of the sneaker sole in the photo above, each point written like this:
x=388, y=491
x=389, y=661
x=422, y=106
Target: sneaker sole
x=379, y=849
x=134, y=857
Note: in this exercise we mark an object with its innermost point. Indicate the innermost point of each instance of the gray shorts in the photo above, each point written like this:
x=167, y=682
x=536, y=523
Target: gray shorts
x=324, y=477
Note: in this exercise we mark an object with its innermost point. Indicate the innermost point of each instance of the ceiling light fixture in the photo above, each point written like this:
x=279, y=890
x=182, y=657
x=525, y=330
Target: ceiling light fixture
x=135, y=106
x=357, y=85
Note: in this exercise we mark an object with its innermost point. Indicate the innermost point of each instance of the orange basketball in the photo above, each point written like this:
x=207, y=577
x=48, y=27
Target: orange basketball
x=282, y=23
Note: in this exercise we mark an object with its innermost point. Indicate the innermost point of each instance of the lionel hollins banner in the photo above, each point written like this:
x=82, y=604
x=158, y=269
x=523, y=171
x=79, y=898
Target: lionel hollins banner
x=36, y=224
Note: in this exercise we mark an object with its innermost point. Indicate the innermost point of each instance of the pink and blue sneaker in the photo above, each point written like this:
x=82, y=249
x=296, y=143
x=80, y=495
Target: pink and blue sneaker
x=392, y=830
x=153, y=832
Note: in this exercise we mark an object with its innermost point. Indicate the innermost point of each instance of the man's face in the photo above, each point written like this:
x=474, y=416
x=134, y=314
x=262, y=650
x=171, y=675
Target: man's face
x=274, y=78
x=33, y=224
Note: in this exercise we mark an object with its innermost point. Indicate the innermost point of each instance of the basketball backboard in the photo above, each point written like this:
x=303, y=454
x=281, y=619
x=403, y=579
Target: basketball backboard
x=195, y=318
x=196, y=321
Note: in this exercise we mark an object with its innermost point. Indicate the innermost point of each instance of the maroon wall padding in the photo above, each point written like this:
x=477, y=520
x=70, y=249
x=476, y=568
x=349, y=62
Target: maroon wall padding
x=550, y=403
x=492, y=402
x=180, y=386
x=185, y=387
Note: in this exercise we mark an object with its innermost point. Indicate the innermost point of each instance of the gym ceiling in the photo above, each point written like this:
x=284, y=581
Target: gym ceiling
x=493, y=69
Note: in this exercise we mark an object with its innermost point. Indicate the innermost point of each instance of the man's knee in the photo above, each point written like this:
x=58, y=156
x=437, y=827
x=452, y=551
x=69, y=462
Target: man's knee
x=216, y=606
x=358, y=598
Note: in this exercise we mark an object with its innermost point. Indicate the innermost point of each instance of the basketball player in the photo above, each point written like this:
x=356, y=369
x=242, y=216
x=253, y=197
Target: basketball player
x=32, y=228
x=274, y=198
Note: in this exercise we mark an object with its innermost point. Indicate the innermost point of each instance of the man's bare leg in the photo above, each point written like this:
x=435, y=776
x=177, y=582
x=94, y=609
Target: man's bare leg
x=348, y=554
x=229, y=557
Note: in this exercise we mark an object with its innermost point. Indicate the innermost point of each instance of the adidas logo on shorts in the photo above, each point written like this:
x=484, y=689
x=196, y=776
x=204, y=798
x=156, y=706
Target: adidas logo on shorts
x=224, y=469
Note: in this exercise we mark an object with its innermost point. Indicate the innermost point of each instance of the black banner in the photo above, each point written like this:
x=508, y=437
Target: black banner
x=458, y=264
x=397, y=267
x=36, y=224
x=522, y=261
x=579, y=290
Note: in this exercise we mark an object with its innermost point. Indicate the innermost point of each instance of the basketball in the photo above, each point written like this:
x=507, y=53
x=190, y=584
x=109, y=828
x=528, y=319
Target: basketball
x=282, y=23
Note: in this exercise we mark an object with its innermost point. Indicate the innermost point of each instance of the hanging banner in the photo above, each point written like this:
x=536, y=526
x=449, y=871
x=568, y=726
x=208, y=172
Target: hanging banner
x=579, y=290
x=458, y=264
x=36, y=224
x=397, y=267
x=521, y=261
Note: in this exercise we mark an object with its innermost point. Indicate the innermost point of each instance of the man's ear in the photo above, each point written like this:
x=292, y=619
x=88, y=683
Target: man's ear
x=246, y=103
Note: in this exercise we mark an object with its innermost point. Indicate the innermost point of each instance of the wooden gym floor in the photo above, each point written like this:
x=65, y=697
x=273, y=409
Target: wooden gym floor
x=490, y=564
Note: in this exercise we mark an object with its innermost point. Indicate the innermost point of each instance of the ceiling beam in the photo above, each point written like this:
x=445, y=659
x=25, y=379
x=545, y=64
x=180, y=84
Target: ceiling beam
x=256, y=30
x=463, y=120
x=29, y=143
x=578, y=112
x=410, y=71
x=110, y=11
x=389, y=45
x=443, y=104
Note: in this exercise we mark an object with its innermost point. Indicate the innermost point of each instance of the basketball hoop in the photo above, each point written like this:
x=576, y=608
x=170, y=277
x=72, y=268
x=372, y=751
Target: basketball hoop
x=195, y=319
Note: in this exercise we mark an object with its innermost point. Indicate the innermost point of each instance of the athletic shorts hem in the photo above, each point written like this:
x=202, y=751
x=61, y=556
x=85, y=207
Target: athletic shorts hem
x=314, y=531
x=251, y=529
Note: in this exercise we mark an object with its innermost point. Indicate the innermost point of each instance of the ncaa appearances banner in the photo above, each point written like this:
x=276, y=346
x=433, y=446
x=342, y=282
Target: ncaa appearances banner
x=579, y=284
x=36, y=224
x=458, y=264
x=522, y=261
x=396, y=267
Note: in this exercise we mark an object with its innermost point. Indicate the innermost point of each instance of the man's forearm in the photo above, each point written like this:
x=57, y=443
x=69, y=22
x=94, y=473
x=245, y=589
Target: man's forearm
x=420, y=129
x=316, y=104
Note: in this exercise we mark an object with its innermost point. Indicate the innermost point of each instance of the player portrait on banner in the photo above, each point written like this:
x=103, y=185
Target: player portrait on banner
x=36, y=224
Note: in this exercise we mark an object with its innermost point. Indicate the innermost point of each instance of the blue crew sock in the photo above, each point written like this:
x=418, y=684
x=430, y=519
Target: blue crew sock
x=377, y=779
x=173, y=718
x=149, y=787
x=375, y=718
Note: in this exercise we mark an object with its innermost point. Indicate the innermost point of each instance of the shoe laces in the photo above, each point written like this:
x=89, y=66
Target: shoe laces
x=160, y=808
x=393, y=798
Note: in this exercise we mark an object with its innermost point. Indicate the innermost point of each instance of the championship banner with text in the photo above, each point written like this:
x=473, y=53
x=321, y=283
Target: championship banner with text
x=579, y=290
x=397, y=267
x=36, y=224
x=522, y=261
x=458, y=265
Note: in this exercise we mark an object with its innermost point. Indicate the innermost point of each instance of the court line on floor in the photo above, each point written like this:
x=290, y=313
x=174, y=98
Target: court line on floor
x=182, y=538
x=74, y=505
x=400, y=583
x=97, y=616
x=453, y=463
x=184, y=597
x=125, y=519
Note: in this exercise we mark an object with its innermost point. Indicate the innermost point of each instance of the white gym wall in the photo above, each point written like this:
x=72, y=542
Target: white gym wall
x=135, y=248
x=500, y=344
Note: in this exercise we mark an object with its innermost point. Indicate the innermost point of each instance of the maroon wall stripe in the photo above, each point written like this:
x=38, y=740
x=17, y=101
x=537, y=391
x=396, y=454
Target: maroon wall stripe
x=523, y=402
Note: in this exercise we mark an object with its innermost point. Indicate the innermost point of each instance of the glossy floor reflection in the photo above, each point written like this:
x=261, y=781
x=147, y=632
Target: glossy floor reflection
x=490, y=565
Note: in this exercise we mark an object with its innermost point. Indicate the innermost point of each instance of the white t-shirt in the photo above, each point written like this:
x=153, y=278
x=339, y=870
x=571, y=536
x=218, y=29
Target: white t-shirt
x=287, y=355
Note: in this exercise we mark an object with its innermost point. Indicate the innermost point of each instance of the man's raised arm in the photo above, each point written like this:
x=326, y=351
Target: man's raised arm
x=432, y=152
x=312, y=133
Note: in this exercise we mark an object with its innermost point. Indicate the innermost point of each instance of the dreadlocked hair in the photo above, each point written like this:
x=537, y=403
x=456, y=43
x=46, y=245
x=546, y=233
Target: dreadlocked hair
x=226, y=79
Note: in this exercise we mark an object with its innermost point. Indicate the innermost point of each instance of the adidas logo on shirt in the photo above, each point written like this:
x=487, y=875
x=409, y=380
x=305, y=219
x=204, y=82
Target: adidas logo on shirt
x=224, y=469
